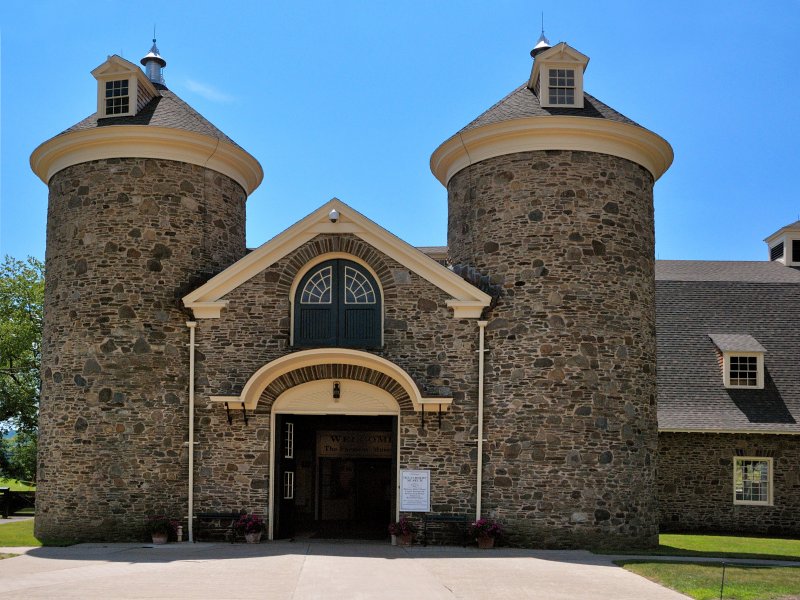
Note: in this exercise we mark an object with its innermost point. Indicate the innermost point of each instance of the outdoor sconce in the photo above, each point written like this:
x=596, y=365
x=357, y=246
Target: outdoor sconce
x=337, y=390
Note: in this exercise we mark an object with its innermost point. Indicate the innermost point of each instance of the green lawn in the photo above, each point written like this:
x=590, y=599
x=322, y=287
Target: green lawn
x=17, y=485
x=18, y=533
x=703, y=581
x=725, y=546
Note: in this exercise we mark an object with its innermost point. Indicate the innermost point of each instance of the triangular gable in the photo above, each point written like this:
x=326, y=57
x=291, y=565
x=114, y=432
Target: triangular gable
x=206, y=301
x=115, y=65
x=561, y=53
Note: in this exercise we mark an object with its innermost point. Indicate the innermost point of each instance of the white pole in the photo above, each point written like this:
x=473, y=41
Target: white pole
x=191, y=325
x=481, y=352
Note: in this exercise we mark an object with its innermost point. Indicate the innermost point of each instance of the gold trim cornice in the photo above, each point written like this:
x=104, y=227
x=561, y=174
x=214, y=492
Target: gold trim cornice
x=552, y=133
x=146, y=141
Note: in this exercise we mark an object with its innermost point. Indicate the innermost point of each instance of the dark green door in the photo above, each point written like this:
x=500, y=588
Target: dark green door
x=338, y=304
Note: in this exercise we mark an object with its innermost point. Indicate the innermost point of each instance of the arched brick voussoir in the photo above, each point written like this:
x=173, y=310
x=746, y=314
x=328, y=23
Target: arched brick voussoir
x=348, y=244
x=332, y=371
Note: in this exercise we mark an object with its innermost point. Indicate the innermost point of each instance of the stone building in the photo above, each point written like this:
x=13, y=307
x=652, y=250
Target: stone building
x=512, y=372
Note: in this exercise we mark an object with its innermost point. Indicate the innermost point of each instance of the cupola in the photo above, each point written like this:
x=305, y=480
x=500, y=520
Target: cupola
x=153, y=64
x=784, y=245
x=122, y=88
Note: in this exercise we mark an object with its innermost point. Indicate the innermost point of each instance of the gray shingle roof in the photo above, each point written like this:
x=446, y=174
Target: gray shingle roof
x=165, y=111
x=522, y=102
x=695, y=299
x=736, y=342
x=719, y=270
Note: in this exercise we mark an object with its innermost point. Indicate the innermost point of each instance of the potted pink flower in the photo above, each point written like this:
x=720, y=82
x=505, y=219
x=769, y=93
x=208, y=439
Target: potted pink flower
x=161, y=528
x=486, y=532
x=251, y=526
x=402, y=531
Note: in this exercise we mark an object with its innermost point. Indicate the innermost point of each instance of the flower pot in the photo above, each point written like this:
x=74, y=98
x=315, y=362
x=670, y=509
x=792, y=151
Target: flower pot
x=485, y=542
x=252, y=538
x=160, y=538
x=404, y=539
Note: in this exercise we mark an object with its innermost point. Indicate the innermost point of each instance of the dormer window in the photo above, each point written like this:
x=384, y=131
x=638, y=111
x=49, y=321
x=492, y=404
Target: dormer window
x=122, y=88
x=557, y=76
x=742, y=360
x=562, y=86
x=784, y=245
x=117, y=97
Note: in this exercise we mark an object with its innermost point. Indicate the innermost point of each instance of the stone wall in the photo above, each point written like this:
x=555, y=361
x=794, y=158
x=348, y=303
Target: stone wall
x=695, y=483
x=126, y=239
x=420, y=335
x=570, y=390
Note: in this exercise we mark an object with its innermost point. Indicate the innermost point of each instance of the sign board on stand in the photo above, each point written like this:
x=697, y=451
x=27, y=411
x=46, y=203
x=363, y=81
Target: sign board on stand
x=415, y=490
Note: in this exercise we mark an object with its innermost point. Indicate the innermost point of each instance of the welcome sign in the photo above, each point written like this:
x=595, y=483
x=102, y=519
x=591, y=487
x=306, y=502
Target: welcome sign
x=354, y=444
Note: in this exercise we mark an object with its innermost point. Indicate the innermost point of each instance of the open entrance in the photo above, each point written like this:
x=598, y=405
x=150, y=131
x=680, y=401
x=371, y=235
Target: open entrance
x=335, y=476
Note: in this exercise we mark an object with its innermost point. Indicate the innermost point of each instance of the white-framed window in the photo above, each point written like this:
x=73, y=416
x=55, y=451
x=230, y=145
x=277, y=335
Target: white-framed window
x=117, y=97
x=743, y=370
x=561, y=86
x=752, y=480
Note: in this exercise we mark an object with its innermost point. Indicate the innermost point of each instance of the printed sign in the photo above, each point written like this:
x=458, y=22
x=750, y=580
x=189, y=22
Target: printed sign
x=415, y=490
x=354, y=444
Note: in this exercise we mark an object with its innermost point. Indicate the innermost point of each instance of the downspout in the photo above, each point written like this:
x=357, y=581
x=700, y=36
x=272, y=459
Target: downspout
x=191, y=325
x=481, y=352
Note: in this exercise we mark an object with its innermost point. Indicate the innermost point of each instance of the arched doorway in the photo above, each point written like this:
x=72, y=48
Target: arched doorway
x=334, y=460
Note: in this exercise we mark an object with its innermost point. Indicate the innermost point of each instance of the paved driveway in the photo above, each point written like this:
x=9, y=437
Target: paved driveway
x=325, y=570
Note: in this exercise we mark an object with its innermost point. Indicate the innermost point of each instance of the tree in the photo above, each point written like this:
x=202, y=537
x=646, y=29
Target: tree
x=21, y=313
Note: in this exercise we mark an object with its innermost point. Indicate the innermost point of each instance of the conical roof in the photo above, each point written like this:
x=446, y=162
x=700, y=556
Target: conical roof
x=167, y=110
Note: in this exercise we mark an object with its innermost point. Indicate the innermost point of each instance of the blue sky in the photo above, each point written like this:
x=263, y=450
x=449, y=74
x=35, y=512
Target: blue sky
x=349, y=99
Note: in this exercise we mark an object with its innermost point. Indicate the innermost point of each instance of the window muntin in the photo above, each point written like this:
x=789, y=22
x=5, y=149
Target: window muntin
x=752, y=480
x=357, y=288
x=561, y=86
x=318, y=288
x=117, y=97
x=743, y=371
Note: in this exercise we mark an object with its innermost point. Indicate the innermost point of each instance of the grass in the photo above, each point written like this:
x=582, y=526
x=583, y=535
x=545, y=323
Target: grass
x=2, y=556
x=703, y=581
x=17, y=485
x=18, y=533
x=723, y=546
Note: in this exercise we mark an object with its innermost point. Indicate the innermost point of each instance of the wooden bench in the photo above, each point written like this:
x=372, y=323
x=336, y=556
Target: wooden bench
x=461, y=520
x=219, y=523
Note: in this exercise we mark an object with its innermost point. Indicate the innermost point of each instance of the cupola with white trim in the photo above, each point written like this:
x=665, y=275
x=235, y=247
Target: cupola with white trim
x=784, y=245
x=153, y=64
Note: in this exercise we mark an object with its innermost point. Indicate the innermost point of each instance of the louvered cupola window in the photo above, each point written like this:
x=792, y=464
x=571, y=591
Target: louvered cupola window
x=338, y=303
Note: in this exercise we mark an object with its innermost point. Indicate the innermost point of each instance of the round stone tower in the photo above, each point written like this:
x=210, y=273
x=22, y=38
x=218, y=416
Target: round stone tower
x=147, y=198
x=550, y=195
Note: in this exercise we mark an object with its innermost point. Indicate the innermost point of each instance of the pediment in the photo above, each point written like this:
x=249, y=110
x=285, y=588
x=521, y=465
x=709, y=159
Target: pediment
x=207, y=301
x=115, y=67
x=563, y=53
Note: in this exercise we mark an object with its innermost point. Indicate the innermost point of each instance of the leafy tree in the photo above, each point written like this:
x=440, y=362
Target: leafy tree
x=21, y=300
x=18, y=456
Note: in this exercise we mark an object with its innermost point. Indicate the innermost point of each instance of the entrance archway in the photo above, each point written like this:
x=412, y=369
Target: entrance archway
x=334, y=461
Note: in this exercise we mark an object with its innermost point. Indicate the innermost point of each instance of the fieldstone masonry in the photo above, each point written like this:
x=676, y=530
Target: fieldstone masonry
x=570, y=386
x=126, y=239
x=695, y=483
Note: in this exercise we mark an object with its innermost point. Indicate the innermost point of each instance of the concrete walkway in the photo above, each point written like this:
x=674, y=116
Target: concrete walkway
x=317, y=570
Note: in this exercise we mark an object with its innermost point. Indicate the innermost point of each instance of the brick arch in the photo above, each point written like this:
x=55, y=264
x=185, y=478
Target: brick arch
x=333, y=371
x=348, y=244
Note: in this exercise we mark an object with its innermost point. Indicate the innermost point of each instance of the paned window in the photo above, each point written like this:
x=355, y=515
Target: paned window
x=288, y=447
x=795, y=251
x=752, y=480
x=338, y=303
x=317, y=289
x=357, y=288
x=743, y=371
x=561, y=85
x=117, y=98
x=288, y=485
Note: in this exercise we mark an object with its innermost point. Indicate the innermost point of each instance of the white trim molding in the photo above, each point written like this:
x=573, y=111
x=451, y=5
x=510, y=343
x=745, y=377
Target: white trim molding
x=258, y=382
x=601, y=136
x=726, y=431
x=466, y=300
x=146, y=141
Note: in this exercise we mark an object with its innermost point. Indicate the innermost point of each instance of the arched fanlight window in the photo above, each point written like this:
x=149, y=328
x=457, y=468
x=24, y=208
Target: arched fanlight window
x=338, y=303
